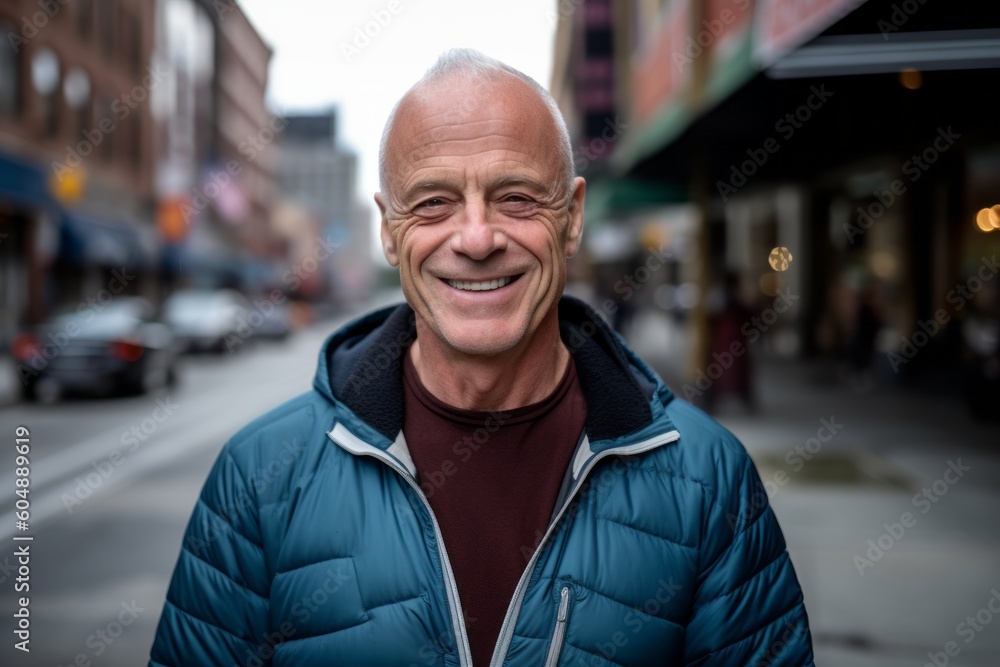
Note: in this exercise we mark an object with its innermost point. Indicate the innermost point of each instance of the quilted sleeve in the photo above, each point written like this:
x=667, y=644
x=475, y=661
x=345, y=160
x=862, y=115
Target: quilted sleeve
x=748, y=609
x=216, y=609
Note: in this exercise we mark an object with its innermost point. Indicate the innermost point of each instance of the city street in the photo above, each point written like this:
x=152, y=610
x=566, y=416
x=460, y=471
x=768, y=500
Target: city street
x=840, y=469
x=107, y=528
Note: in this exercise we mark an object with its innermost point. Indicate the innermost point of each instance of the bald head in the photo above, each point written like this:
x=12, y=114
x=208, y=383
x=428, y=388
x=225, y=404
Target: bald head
x=482, y=79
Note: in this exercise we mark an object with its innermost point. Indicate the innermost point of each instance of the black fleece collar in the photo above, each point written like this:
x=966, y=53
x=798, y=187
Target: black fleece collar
x=364, y=364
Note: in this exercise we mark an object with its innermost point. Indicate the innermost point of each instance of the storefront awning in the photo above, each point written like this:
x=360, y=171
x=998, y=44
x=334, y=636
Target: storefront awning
x=22, y=183
x=843, y=55
x=614, y=197
x=88, y=240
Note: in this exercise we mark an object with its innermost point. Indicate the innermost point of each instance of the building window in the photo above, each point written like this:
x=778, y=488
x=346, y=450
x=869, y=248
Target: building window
x=46, y=76
x=84, y=17
x=107, y=15
x=102, y=111
x=10, y=76
x=76, y=91
x=135, y=141
x=132, y=37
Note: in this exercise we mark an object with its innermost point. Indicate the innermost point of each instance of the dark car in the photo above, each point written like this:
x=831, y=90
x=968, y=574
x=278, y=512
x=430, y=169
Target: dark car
x=118, y=348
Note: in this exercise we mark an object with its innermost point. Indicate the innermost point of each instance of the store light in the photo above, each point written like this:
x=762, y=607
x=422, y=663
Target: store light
x=911, y=79
x=769, y=284
x=780, y=258
x=983, y=220
x=995, y=216
x=884, y=264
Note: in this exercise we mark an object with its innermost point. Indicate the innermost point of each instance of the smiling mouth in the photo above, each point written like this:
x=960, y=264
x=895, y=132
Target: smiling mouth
x=483, y=285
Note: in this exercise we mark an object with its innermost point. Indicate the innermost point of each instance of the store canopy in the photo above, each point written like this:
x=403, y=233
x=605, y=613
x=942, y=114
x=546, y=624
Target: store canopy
x=705, y=72
x=842, y=55
x=22, y=183
x=89, y=240
x=614, y=197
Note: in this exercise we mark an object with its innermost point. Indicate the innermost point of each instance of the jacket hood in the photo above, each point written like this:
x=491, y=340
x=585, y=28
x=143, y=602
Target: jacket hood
x=360, y=369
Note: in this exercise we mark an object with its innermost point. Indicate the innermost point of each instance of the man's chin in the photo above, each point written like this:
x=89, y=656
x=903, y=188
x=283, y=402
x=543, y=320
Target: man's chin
x=482, y=338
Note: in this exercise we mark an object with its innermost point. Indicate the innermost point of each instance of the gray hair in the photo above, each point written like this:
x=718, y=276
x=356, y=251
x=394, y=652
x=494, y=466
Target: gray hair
x=483, y=68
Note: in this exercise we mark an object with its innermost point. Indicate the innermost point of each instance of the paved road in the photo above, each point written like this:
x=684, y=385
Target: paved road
x=107, y=527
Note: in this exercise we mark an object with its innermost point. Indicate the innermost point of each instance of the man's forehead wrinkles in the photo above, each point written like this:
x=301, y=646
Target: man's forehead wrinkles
x=467, y=128
x=462, y=147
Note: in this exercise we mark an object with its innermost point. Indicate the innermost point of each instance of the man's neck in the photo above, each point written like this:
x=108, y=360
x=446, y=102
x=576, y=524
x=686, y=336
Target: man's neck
x=521, y=376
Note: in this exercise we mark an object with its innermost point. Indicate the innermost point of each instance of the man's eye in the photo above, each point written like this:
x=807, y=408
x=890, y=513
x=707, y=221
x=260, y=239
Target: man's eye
x=516, y=199
x=431, y=203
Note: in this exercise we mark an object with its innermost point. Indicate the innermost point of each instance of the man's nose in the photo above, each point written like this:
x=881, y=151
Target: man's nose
x=477, y=237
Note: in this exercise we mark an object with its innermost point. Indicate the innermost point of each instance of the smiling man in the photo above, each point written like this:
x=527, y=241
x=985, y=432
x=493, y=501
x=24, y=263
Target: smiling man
x=486, y=474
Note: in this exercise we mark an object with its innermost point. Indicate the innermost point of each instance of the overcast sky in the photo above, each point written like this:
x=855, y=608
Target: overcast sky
x=320, y=60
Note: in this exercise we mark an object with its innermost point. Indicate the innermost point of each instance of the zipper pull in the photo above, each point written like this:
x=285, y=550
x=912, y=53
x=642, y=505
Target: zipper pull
x=559, y=633
x=563, y=605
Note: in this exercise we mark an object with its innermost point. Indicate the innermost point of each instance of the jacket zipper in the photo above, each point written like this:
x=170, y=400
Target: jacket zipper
x=559, y=634
x=347, y=440
x=507, y=629
x=451, y=587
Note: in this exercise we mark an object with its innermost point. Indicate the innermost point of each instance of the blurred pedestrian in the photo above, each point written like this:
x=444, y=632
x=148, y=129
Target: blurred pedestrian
x=980, y=326
x=860, y=351
x=484, y=474
x=726, y=335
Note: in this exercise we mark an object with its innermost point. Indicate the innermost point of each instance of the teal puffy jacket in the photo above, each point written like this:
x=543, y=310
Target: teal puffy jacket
x=312, y=544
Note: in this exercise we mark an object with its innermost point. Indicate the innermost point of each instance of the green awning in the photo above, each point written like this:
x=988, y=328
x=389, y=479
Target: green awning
x=614, y=197
x=647, y=139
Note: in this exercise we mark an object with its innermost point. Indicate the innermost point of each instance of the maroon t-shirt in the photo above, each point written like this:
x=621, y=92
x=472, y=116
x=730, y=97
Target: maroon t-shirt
x=491, y=479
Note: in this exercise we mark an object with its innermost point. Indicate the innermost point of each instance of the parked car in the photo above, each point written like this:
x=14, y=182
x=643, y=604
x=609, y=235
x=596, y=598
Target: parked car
x=204, y=320
x=105, y=350
x=274, y=323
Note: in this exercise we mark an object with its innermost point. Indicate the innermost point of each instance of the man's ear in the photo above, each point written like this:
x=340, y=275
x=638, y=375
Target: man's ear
x=388, y=241
x=575, y=230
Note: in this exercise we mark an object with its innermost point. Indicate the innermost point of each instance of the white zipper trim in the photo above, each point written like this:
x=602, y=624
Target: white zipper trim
x=352, y=443
x=507, y=629
x=559, y=633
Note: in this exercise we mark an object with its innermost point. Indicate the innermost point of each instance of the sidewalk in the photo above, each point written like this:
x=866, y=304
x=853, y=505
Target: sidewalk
x=10, y=384
x=888, y=501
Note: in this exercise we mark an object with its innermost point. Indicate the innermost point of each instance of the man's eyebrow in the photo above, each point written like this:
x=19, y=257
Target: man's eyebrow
x=514, y=180
x=420, y=188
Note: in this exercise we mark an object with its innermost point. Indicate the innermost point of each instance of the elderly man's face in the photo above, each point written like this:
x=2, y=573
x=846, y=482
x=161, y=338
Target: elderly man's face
x=477, y=212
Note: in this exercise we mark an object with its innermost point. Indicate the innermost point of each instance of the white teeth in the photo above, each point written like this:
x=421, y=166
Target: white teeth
x=479, y=286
